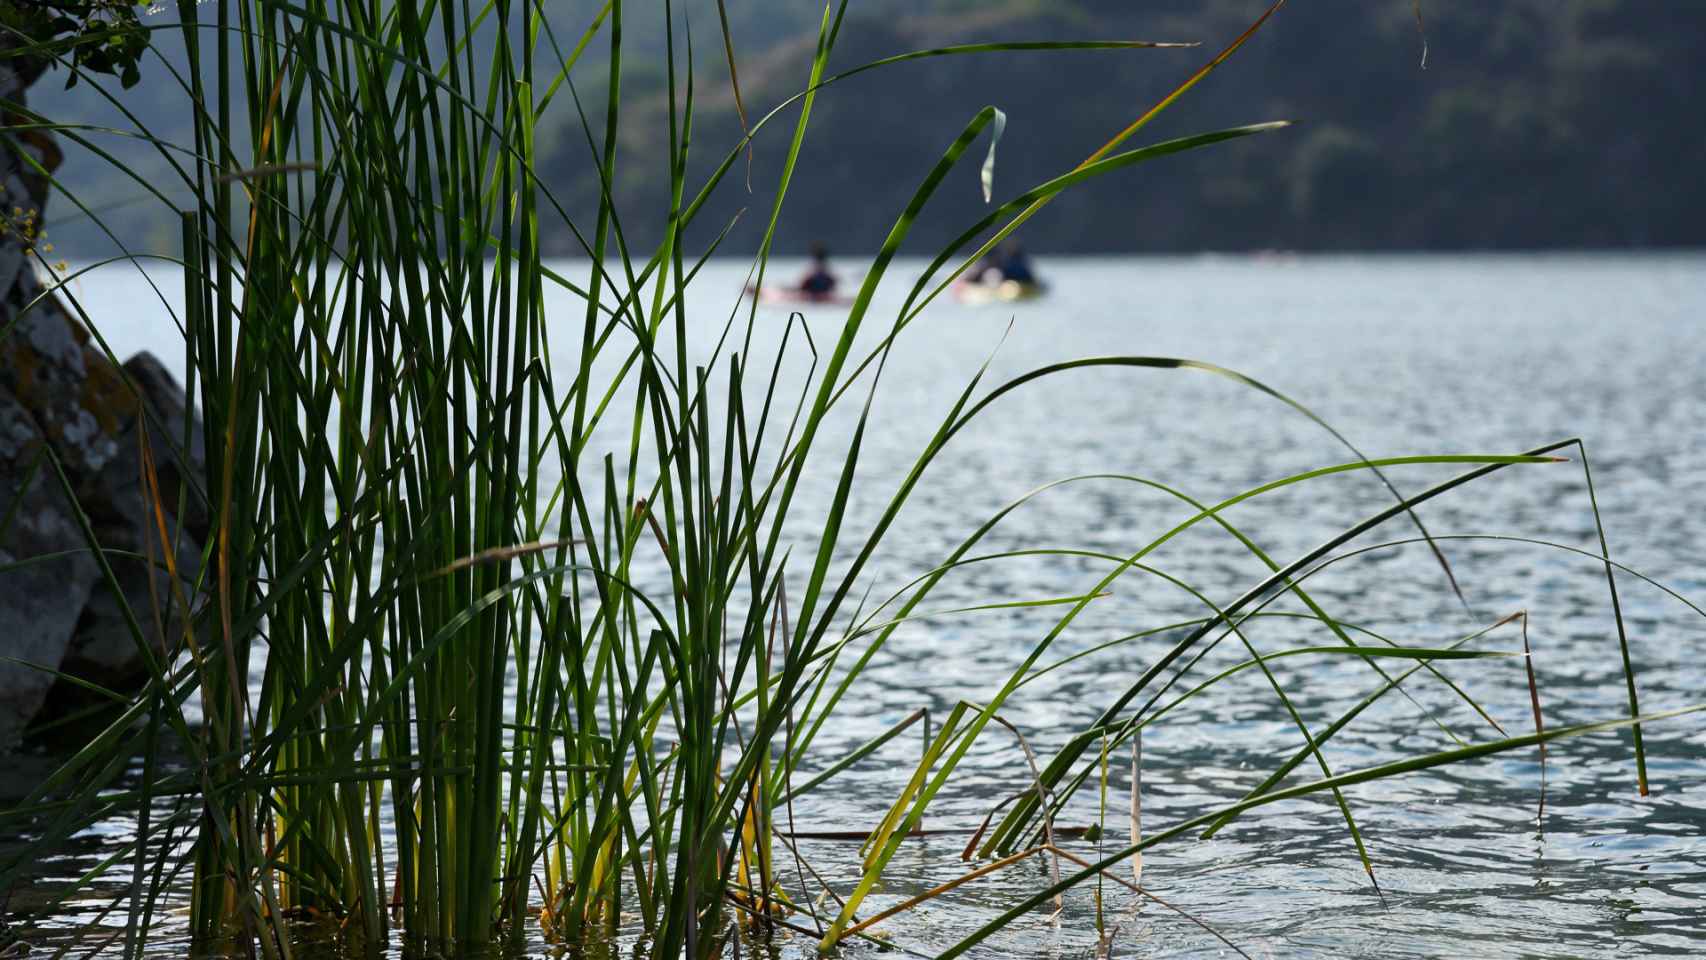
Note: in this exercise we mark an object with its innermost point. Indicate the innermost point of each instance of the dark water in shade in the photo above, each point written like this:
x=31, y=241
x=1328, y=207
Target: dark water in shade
x=1404, y=355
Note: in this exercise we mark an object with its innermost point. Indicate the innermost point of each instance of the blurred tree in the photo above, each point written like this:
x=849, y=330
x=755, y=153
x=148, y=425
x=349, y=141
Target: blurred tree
x=1535, y=123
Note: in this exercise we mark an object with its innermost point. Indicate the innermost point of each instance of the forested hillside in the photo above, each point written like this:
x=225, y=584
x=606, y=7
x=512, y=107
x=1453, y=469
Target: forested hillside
x=1534, y=123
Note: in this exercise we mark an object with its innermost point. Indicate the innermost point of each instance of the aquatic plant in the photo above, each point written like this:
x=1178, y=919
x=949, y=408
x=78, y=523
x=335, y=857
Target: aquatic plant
x=453, y=668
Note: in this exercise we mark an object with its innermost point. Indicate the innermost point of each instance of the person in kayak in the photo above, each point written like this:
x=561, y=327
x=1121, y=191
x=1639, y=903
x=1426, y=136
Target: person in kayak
x=819, y=281
x=1015, y=265
x=1006, y=262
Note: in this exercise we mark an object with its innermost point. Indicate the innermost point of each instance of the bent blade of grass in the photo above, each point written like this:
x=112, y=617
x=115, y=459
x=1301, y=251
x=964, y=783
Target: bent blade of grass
x=1071, y=752
x=1286, y=768
x=1103, y=585
x=1539, y=725
x=1320, y=614
x=1338, y=627
x=1365, y=775
x=884, y=846
x=1617, y=613
x=1283, y=770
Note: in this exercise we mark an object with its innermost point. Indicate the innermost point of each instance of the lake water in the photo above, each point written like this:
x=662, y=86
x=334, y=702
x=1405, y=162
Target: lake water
x=1404, y=355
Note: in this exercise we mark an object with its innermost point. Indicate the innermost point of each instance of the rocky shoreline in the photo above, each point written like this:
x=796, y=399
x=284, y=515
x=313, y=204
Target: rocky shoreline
x=77, y=432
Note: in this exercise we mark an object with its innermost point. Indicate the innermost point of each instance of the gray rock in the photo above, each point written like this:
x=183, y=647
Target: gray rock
x=96, y=417
x=41, y=599
x=130, y=524
x=77, y=396
x=61, y=393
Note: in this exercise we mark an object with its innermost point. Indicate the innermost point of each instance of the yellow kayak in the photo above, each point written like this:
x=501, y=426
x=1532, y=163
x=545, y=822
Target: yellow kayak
x=1007, y=291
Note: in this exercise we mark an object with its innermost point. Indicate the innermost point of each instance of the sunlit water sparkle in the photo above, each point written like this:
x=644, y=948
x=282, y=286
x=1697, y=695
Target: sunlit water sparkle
x=1405, y=355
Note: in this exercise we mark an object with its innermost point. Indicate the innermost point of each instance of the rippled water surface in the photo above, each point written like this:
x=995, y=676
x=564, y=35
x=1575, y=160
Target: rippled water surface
x=1403, y=355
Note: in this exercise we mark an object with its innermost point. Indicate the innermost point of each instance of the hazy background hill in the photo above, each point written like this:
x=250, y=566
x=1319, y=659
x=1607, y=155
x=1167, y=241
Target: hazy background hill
x=1536, y=124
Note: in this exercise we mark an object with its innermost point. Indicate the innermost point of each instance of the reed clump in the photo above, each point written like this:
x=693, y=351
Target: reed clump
x=507, y=625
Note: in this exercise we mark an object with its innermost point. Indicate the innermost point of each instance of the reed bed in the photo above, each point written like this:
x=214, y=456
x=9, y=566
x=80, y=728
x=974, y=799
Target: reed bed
x=428, y=691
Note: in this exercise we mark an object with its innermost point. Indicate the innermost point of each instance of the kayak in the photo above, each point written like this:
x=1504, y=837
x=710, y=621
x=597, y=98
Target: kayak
x=792, y=295
x=1007, y=291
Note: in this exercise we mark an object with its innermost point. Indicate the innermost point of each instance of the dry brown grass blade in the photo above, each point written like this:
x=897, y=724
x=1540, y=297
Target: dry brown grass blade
x=988, y=818
x=734, y=84
x=739, y=904
x=940, y=889
x=168, y=548
x=1140, y=891
x=860, y=836
x=266, y=170
x=1539, y=727
x=1137, y=804
x=500, y=554
x=1195, y=78
x=1043, y=804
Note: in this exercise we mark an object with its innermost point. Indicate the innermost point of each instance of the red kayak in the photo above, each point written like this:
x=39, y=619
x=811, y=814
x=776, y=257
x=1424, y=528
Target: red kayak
x=794, y=295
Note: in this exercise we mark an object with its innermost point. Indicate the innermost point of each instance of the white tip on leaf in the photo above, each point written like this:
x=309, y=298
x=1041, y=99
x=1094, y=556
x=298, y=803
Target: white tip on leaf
x=988, y=174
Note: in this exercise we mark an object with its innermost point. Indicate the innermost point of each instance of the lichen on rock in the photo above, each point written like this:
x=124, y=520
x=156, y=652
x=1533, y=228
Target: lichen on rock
x=62, y=399
x=67, y=409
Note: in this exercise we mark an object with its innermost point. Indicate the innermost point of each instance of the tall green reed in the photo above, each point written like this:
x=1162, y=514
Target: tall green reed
x=438, y=693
